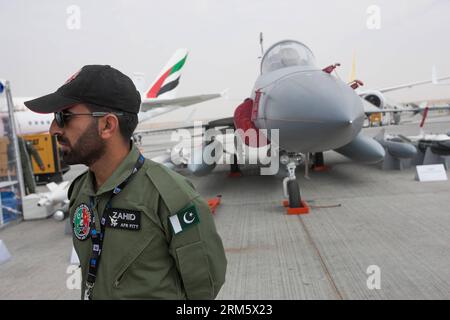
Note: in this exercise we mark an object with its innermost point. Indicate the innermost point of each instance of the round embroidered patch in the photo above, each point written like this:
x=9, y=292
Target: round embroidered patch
x=82, y=222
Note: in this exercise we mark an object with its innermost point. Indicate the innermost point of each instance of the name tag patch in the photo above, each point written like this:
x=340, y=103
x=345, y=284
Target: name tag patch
x=123, y=219
x=184, y=219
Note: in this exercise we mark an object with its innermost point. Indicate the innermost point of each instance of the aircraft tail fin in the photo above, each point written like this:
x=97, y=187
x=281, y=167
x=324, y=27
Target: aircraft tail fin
x=434, y=78
x=353, y=70
x=166, y=83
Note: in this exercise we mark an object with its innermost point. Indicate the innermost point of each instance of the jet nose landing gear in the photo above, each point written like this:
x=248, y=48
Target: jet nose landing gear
x=291, y=189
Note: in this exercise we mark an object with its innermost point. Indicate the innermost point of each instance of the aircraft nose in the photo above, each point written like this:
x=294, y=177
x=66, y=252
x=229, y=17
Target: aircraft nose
x=314, y=111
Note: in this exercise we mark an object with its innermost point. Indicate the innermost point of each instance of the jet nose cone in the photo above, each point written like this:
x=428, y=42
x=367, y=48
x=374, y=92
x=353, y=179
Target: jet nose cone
x=315, y=107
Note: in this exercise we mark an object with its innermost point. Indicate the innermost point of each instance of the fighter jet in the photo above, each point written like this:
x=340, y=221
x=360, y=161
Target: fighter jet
x=312, y=111
x=309, y=109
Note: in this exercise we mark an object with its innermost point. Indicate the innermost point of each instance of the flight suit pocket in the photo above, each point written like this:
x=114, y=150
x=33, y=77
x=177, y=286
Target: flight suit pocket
x=194, y=270
x=131, y=257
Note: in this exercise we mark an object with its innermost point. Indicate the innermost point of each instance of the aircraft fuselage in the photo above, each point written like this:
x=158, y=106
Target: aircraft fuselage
x=313, y=110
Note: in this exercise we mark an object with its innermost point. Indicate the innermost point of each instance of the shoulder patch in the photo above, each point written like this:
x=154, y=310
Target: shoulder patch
x=72, y=185
x=81, y=223
x=184, y=219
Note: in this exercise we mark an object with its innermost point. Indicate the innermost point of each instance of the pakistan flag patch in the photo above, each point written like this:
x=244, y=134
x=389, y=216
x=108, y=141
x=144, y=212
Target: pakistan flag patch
x=184, y=219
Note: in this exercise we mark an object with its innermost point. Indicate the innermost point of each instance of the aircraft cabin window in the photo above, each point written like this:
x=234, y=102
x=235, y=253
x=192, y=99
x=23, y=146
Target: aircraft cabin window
x=287, y=53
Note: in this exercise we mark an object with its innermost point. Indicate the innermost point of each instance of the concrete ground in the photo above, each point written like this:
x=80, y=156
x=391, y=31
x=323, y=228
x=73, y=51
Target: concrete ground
x=371, y=234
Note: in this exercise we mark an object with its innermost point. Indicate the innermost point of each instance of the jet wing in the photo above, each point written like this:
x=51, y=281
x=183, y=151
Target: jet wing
x=410, y=85
x=370, y=108
x=164, y=129
x=223, y=122
x=148, y=104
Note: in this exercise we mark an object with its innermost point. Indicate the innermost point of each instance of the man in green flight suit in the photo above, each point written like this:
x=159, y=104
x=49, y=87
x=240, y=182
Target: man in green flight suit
x=140, y=230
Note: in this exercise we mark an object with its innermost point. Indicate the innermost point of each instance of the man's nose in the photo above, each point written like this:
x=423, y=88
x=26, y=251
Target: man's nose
x=54, y=129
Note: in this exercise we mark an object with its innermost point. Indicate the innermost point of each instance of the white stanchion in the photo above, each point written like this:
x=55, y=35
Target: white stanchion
x=4, y=253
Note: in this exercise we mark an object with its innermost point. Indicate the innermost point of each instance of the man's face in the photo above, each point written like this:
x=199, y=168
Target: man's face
x=79, y=139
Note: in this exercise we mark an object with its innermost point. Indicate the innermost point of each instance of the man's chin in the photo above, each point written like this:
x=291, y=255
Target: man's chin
x=68, y=159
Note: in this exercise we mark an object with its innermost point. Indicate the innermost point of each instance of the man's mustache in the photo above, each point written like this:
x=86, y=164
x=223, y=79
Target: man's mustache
x=62, y=140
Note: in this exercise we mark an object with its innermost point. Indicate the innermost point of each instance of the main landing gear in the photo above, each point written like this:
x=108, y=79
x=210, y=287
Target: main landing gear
x=319, y=163
x=235, y=171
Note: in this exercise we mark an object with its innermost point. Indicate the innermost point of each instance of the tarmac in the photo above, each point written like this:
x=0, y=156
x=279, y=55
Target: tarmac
x=370, y=234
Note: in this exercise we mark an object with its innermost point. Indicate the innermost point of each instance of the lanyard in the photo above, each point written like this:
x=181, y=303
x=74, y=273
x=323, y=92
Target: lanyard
x=97, y=238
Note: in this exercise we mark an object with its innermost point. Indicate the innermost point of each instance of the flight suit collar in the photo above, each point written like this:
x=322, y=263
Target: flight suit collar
x=120, y=174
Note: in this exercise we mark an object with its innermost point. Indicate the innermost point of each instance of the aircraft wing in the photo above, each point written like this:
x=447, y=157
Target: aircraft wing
x=386, y=110
x=412, y=84
x=148, y=104
x=370, y=108
x=223, y=122
x=164, y=129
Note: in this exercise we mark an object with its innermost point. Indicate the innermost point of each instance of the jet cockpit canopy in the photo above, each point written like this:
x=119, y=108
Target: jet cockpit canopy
x=287, y=53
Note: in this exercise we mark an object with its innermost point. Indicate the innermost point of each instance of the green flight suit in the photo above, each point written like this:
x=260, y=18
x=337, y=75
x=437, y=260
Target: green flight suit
x=152, y=262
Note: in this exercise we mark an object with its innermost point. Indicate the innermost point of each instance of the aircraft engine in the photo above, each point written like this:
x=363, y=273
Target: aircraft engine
x=374, y=97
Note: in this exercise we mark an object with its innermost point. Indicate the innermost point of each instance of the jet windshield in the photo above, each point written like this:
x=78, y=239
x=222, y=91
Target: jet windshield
x=287, y=54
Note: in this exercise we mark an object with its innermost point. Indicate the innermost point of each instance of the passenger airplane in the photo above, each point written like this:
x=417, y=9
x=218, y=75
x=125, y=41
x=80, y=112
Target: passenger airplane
x=158, y=99
x=375, y=101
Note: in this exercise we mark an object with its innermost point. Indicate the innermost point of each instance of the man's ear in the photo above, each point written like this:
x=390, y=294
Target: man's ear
x=109, y=125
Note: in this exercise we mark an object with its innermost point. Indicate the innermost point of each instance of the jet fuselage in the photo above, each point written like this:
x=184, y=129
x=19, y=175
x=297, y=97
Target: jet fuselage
x=313, y=110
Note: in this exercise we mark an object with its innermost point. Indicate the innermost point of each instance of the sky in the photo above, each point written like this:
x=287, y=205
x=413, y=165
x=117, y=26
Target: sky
x=43, y=42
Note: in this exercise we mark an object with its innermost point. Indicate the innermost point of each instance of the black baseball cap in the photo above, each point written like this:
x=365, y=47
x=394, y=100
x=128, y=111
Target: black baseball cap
x=99, y=85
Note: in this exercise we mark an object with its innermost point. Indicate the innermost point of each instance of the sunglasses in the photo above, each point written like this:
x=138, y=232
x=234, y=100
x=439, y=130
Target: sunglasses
x=62, y=117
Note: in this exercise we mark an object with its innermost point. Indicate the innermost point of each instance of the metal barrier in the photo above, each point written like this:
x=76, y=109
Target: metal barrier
x=11, y=176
